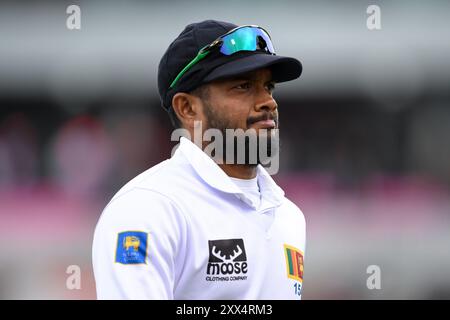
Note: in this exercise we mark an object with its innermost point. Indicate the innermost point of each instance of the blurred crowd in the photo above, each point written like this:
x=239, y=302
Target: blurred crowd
x=91, y=154
x=85, y=155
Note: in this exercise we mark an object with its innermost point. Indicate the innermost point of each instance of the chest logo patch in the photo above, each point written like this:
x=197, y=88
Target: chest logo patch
x=227, y=260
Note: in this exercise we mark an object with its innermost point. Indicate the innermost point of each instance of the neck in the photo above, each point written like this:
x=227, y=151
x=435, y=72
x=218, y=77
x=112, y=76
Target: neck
x=240, y=171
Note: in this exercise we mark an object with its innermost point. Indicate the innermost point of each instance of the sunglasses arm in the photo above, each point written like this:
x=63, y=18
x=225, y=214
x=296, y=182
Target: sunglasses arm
x=202, y=54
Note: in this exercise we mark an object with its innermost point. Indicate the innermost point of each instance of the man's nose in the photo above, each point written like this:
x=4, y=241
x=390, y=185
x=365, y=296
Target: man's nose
x=265, y=101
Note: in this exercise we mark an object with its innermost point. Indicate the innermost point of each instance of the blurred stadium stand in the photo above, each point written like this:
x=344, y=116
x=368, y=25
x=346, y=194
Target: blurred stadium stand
x=365, y=130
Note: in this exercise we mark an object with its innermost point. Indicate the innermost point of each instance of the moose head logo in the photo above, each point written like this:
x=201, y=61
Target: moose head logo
x=223, y=258
x=227, y=257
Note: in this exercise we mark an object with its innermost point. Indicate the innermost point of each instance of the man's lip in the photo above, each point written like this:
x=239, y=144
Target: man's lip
x=266, y=124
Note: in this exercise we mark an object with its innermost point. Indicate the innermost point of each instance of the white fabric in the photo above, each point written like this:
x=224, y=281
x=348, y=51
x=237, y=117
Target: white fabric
x=250, y=189
x=187, y=204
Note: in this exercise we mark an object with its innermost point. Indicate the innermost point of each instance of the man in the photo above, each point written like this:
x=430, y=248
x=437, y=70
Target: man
x=199, y=226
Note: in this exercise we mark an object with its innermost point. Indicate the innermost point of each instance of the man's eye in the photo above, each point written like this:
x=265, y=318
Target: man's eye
x=244, y=85
x=271, y=87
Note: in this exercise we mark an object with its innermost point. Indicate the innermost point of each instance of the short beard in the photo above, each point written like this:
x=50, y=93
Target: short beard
x=221, y=123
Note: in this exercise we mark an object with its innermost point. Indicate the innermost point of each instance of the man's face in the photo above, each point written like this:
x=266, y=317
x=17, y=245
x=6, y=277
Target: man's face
x=240, y=102
x=243, y=102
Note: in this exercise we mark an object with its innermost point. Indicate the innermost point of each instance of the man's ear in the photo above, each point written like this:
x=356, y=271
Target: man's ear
x=187, y=108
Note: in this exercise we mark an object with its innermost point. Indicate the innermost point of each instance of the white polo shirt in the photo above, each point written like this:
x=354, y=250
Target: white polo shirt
x=184, y=230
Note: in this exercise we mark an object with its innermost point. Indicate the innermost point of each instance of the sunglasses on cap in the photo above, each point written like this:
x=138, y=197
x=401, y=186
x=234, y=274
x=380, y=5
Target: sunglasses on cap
x=243, y=38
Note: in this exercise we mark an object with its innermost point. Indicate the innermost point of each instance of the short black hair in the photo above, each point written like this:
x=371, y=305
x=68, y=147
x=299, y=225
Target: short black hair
x=202, y=92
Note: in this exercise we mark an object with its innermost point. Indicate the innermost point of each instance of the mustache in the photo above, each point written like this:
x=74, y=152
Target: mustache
x=262, y=117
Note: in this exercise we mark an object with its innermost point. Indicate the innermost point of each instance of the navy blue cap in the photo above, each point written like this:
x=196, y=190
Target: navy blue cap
x=216, y=65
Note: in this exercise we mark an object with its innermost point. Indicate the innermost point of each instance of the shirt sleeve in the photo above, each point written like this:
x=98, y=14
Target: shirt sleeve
x=138, y=247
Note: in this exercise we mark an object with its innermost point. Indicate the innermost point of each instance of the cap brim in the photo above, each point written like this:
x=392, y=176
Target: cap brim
x=283, y=68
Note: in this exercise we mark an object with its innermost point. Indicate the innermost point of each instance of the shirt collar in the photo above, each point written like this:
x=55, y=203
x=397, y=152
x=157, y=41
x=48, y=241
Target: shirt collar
x=271, y=194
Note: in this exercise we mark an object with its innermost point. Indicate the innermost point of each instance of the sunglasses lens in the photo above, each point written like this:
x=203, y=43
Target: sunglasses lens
x=246, y=39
